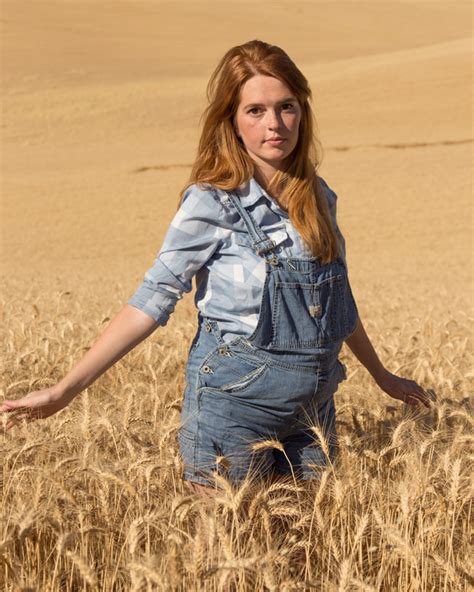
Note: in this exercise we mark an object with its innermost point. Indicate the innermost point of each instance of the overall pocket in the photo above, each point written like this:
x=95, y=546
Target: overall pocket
x=228, y=372
x=309, y=314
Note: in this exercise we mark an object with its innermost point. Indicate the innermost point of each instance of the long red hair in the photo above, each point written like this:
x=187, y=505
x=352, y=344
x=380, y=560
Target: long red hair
x=222, y=160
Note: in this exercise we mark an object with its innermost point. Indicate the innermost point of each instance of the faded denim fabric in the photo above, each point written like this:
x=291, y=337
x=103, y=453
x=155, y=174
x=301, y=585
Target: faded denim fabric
x=207, y=239
x=276, y=384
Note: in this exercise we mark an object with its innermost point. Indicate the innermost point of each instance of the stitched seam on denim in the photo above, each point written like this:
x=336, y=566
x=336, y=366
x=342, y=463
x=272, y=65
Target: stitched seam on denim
x=186, y=435
x=248, y=379
x=246, y=241
x=356, y=311
x=206, y=359
x=345, y=291
x=195, y=478
x=275, y=322
x=215, y=352
x=260, y=232
x=343, y=298
x=295, y=285
x=191, y=465
x=236, y=341
x=311, y=286
x=275, y=308
x=353, y=329
x=315, y=259
x=287, y=365
x=256, y=363
x=262, y=302
x=284, y=365
x=190, y=353
x=299, y=344
x=296, y=344
x=257, y=229
x=250, y=224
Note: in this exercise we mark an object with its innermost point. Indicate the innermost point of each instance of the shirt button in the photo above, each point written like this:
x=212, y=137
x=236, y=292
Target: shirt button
x=223, y=350
x=208, y=328
x=206, y=369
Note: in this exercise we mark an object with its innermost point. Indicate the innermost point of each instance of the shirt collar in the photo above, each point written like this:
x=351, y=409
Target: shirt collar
x=251, y=191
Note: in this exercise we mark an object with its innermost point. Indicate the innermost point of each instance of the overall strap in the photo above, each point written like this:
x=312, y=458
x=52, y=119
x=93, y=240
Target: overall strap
x=261, y=242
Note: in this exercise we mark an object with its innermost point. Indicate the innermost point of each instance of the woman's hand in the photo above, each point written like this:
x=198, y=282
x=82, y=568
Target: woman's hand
x=126, y=330
x=403, y=389
x=34, y=405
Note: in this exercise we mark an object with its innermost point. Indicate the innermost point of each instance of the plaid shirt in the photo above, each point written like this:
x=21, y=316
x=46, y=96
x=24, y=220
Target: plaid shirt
x=208, y=239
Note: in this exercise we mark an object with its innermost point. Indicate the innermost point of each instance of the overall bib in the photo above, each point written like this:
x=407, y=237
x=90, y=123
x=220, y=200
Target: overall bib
x=276, y=384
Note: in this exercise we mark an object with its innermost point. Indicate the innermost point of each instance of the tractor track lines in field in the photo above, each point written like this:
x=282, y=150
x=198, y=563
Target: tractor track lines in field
x=394, y=146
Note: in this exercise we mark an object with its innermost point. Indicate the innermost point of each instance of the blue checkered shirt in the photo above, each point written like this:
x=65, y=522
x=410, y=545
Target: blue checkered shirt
x=207, y=239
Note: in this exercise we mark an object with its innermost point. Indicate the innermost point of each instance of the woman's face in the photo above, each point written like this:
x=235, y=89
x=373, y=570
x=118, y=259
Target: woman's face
x=267, y=121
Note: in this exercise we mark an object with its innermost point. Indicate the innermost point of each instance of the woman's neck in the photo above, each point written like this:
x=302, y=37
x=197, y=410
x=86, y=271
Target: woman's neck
x=264, y=176
x=263, y=179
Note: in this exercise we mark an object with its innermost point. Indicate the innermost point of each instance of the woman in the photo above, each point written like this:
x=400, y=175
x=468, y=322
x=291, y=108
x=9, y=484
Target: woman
x=257, y=227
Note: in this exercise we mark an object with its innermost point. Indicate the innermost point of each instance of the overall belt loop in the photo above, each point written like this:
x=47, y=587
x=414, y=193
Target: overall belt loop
x=211, y=326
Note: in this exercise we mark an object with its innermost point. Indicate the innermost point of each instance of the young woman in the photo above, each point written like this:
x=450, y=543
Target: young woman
x=257, y=228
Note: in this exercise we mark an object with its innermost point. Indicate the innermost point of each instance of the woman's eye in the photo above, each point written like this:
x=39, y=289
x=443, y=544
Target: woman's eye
x=287, y=106
x=254, y=110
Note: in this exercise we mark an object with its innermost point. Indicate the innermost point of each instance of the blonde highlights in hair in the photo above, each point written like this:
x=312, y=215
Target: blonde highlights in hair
x=222, y=160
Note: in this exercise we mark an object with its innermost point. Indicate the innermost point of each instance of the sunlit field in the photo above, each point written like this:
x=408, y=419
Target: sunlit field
x=100, y=123
x=93, y=497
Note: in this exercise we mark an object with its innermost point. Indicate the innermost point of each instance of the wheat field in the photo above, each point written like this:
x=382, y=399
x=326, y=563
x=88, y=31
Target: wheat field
x=100, y=120
x=93, y=499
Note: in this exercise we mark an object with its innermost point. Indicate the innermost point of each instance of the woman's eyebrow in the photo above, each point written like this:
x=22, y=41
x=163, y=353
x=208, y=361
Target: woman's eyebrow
x=287, y=100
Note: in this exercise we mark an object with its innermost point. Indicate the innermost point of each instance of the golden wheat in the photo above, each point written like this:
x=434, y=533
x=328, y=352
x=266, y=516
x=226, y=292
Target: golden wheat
x=92, y=498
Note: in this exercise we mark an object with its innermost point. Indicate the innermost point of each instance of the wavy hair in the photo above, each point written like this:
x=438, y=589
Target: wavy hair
x=223, y=162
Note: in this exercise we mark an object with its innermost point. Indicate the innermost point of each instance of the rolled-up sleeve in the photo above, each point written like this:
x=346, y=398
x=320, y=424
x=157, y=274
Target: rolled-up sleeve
x=190, y=241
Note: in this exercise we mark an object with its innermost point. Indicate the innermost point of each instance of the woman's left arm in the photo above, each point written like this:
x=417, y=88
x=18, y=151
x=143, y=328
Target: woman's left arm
x=399, y=388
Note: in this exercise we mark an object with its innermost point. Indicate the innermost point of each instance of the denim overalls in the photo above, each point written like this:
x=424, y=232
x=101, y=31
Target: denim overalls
x=275, y=384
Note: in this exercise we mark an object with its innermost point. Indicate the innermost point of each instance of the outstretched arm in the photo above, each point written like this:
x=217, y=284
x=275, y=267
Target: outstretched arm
x=403, y=389
x=126, y=330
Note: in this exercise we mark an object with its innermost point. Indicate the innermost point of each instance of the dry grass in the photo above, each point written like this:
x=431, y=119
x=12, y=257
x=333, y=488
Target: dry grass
x=101, y=110
x=93, y=499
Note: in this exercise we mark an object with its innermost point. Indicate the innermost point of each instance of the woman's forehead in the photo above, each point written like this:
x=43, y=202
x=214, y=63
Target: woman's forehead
x=262, y=89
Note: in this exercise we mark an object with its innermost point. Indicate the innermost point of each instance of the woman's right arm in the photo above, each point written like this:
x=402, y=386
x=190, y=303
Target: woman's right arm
x=126, y=330
x=192, y=238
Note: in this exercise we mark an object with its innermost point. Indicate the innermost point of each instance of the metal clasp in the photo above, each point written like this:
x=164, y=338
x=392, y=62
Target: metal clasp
x=315, y=311
x=272, y=244
x=274, y=261
x=224, y=351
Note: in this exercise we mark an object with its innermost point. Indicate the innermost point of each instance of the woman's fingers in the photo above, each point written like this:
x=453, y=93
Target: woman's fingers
x=13, y=411
x=19, y=418
x=21, y=413
x=425, y=396
x=35, y=405
x=15, y=417
x=418, y=395
x=9, y=405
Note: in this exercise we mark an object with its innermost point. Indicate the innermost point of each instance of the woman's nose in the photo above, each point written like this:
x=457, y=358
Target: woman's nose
x=273, y=121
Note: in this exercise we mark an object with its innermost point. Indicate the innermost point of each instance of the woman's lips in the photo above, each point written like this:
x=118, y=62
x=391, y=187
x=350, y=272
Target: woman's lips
x=276, y=141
